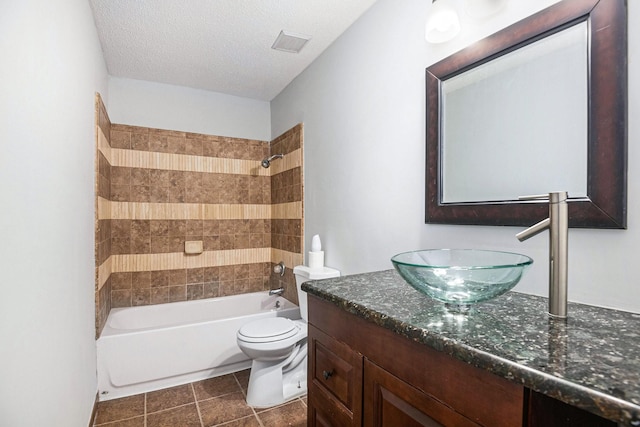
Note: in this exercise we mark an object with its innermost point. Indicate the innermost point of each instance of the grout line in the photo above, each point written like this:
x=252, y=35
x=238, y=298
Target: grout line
x=127, y=418
x=119, y=420
x=145, y=411
x=171, y=408
x=239, y=385
x=218, y=396
x=195, y=398
x=226, y=423
x=255, y=414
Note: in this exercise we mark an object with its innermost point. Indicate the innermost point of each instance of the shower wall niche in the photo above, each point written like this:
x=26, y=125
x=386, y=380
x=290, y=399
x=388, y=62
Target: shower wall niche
x=157, y=189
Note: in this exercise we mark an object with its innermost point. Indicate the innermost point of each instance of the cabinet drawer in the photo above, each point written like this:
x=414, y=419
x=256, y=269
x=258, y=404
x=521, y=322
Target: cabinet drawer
x=335, y=377
x=334, y=374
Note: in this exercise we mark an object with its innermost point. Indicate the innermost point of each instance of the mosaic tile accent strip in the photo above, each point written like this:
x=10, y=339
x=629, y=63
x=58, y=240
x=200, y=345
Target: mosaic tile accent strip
x=170, y=261
x=133, y=210
x=181, y=162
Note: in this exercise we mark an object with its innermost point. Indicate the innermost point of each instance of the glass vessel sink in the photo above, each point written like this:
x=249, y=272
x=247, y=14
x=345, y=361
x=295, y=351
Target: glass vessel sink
x=461, y=277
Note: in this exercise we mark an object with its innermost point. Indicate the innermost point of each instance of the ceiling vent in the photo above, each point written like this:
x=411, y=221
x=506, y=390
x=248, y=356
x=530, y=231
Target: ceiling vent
x=290, y=42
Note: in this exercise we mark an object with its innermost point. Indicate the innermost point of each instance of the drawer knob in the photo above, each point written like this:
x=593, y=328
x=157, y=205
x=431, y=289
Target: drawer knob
x=327, y=374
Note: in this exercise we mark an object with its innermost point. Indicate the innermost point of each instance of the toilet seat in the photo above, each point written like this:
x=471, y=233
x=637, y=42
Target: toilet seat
x=268, y=330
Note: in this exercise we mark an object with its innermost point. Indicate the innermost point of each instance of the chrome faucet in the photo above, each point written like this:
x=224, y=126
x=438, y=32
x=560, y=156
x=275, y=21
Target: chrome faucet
x=278, y=291
x=558, y=225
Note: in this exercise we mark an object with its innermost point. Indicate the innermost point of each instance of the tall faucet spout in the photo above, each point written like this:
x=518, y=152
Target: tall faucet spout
x=558, y=226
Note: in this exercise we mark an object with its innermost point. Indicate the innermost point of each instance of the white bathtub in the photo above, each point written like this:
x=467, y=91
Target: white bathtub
x=151, y=347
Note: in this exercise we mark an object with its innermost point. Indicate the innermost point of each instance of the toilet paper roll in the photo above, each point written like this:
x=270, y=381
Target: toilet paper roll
x=316, y=259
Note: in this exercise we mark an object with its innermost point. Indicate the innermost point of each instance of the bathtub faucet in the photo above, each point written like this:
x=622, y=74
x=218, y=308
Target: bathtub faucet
x=278, y=291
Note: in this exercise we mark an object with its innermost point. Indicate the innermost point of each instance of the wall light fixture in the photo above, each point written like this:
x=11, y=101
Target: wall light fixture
x=443, y=23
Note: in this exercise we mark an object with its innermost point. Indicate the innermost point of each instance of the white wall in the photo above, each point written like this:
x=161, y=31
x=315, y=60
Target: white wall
x=162, y=106
x=51, y=68
x=363, y=106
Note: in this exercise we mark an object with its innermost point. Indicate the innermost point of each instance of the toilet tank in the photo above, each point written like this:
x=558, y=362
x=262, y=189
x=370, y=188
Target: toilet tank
x=304, y=274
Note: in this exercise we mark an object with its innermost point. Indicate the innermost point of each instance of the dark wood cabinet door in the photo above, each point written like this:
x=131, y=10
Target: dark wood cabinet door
x=334, y=381
x=390, y=402
x=316, y=417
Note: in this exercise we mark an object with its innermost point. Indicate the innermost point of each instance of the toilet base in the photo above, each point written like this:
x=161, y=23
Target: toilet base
x=269, y=386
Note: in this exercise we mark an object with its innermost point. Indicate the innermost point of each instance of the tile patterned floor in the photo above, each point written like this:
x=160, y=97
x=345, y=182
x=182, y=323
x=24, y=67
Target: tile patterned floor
x=213, y=402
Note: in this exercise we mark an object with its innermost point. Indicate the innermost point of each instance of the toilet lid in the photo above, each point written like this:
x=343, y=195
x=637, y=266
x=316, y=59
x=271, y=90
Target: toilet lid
x=266, y=330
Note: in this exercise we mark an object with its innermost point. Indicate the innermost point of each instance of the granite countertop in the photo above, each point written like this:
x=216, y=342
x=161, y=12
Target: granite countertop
x=591, y=361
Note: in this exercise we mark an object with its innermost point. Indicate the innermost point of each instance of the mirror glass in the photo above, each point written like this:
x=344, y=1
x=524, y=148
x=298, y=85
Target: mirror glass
x=517, y=125
x=537, y=107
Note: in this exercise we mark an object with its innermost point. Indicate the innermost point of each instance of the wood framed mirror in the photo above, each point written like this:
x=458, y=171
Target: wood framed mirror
x=596, y=31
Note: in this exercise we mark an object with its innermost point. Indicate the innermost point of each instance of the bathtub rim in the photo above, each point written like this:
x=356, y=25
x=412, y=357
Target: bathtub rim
x=110, y=331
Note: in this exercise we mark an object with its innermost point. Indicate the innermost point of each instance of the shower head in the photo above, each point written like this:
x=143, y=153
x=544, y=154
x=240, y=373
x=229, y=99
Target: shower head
x=267, y=162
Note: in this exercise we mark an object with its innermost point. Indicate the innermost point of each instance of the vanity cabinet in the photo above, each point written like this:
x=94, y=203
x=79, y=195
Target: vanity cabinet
x=361, y=374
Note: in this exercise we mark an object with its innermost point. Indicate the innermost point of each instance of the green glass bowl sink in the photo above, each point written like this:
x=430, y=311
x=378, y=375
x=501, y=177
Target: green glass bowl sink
x=461, y=277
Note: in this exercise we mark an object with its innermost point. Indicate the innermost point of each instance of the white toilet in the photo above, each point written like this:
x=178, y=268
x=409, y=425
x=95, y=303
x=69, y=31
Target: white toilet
x=278, y=347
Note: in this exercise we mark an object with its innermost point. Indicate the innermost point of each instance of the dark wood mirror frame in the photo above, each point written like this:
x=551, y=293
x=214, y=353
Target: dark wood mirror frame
x=606, y=202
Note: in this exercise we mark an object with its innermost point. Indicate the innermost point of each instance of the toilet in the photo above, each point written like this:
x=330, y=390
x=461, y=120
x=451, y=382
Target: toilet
x=278, y=347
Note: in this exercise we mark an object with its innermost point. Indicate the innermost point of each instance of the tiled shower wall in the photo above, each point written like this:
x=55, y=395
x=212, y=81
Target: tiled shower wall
x=287, y=225
x=159, y=188
x=103, y=221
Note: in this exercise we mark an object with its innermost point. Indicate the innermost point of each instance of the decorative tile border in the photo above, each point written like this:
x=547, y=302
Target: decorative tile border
x=104, y=270
x=290, y=161
x=291, y=210
x=140, y=210
x=175, y=261
x=103, y=145
x=182, y=162
x=189, y=163
x=179, y=260
x=104, y=208
x=290, y=259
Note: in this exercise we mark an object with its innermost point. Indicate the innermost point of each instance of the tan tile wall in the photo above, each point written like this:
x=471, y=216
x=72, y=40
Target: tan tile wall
x=157, y=189
x=287, y=225
x=103, y=226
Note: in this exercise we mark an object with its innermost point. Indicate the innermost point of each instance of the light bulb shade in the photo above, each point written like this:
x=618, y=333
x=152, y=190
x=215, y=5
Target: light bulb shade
x=443, y=23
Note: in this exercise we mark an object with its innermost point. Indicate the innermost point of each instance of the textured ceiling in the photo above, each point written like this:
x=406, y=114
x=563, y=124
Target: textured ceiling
x=218, y=45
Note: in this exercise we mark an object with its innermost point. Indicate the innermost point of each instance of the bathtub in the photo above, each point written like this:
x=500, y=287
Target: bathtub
x=151, y=347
